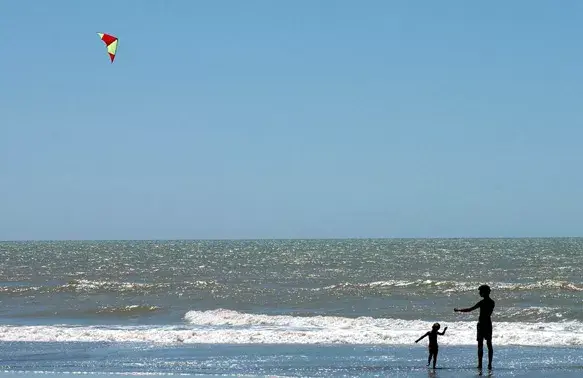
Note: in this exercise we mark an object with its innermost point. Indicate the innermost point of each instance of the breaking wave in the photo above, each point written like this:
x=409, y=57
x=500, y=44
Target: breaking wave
x=231, y=327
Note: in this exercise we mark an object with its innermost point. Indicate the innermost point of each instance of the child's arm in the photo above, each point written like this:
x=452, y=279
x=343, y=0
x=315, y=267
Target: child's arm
x=468, y=309
x=421, y=338
x=442, y=333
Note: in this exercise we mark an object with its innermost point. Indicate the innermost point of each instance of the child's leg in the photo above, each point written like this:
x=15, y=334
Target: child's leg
x=434, y=358
x=429, y=358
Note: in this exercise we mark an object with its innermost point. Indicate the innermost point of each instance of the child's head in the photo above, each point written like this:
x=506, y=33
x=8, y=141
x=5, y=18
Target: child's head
x=484, y=291
x=435, y=326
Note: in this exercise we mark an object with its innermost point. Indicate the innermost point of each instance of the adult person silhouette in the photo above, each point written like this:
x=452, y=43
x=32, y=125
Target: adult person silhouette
x=484, y=327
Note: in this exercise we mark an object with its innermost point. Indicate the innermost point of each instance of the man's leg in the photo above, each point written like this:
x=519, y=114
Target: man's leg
x=480, y=352
x=490, y=352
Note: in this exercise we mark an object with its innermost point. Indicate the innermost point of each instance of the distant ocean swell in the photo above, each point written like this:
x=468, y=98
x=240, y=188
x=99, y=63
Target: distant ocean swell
x=232, y=327
x=89, y=286
x=459, y=287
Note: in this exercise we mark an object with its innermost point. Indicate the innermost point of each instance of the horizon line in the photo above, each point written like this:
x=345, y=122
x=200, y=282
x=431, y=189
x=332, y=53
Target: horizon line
x=291, y=239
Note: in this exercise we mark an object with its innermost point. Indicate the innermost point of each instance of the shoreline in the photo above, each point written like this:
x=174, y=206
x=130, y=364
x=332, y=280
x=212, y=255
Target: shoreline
x=205, y=360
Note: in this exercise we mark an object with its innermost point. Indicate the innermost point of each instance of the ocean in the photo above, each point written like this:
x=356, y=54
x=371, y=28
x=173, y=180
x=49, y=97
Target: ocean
x=288, y=307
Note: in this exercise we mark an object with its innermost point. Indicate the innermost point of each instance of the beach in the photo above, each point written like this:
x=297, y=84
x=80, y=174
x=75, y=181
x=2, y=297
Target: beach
x=279, y=360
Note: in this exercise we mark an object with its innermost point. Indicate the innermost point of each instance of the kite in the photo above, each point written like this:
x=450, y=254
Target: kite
x=111, y=43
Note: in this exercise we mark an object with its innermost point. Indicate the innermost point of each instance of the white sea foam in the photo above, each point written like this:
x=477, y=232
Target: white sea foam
x=231, y=327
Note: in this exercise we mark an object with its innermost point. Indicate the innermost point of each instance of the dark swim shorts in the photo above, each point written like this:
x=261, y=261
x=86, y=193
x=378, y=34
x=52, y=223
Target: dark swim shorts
x=484, y=331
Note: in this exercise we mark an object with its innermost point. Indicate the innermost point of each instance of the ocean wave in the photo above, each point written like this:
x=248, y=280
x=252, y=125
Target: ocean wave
x=126, y=310
x=232, y=327
x=412, y=286
x=454, y=286
x=119, y=287
x=91, y=286
x=544, y=313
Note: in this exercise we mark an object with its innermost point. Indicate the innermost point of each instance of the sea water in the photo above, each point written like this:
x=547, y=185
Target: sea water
x=288, y=307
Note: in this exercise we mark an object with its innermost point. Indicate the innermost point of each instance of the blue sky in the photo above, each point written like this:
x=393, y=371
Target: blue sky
x=273, y=119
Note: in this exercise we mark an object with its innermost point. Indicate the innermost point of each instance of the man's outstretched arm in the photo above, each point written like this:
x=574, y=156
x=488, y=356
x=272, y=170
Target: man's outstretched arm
x=468, y=309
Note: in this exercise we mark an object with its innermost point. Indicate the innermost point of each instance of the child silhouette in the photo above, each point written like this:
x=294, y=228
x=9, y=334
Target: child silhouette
x=433, y=347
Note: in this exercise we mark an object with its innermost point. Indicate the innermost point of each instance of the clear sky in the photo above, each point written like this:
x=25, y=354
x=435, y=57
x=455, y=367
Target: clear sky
x=285, y=119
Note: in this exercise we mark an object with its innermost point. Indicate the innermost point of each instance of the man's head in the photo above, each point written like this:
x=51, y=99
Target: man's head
x=436, y=326
x=484, y=291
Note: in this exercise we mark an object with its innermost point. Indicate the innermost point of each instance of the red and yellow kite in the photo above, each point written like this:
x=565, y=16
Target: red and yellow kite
x=111, y=43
